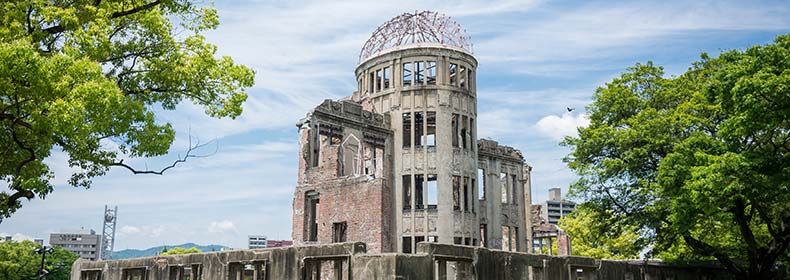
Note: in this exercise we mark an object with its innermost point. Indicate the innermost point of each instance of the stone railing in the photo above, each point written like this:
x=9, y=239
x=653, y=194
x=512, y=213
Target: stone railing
x=350, y=261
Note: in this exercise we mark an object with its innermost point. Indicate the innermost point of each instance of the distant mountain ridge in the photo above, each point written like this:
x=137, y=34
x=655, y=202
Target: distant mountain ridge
x=153, y=251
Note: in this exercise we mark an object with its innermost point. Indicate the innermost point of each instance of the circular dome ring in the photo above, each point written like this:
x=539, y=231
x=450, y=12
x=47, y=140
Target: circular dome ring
x=419, y=28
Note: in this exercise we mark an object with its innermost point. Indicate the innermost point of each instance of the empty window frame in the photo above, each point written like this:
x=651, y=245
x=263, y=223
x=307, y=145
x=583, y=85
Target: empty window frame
x=461, y=77
x=418, y=239
x=91, y=275
x=406, y=245
x=245, y=271
x=387, y=72
x=339, y=232
x=311, y=212
x=456, y=131
x=513, y=189
x=457, y=240
x=316, y=143
x=453, y=70
x=515, y=242
x=483, y=235
x=133, y=274
x=430, y=131
x=406, y=130
x=419, y=182
x=197, y=271
x=407, y=74
x=433, y=238
x=466, y=194
x=457, y=193
x=472, y=139
x=433, y=191
x=503, y=184
x=481, y=185
x=472, y=203
x=371, y=83
x=469, y=76
x=465, y=132
x=406, y=191
x=430, y=72
x=419, y=72
x=418, y=120
x=467, y=241
x=379, y=77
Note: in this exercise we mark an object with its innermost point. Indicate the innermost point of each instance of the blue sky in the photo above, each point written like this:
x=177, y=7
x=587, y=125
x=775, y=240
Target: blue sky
x=535, y=59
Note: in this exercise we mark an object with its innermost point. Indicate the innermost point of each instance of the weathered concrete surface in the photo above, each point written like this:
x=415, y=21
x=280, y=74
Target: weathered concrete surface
x=432, y=261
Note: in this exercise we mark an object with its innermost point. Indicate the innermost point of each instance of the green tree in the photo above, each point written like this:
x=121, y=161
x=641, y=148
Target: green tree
x=593, y=236
x=699, y=162
x=79, y=74
x=18, y=261
x=180, y=251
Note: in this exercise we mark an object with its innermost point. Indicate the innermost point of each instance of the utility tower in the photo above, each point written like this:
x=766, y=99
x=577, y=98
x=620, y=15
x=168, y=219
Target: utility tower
x=108, y=232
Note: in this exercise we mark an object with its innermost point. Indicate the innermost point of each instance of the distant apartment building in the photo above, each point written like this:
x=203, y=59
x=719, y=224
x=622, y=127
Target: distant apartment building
x=556, y=207
x=279, y=243
x=256, y=242
x=85, y=243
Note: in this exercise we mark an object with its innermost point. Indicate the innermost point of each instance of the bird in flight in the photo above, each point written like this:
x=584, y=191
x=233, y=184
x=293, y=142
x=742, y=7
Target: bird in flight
x=570, y=109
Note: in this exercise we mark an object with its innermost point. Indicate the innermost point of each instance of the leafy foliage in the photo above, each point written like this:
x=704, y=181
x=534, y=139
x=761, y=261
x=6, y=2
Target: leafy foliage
x=180, y=251
x=592, y=237
x=80, y=75
x=699, y=162
x=18, y=261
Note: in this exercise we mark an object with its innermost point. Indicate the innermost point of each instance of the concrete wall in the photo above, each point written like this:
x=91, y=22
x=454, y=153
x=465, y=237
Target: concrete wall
x=350, y=261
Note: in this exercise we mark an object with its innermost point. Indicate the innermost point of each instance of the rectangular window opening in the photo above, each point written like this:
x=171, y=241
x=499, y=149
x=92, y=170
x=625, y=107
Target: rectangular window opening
x=419, y=72
x=430, y=73
x=466, y=195
x=418, y=191
x=465, y=131
x=456, y=193
x=453, y=70
x=406, y=245
x=456, y=131
x=379, y=77
x=514, y=189
x=503, y=183
x=418, y=135
x=433, y=192
x=481, y=185
x=461, y=78
x=430, y=132
x=387, y=77
x=407, y=74
x=371, y=83
x=506, y=238
x=339, y=232
x=483, y=235
x=406, y=191
x=311, y=203
x=406, y=130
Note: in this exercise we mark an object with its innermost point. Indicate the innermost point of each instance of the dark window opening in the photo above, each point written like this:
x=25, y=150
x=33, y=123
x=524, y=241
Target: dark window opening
x=339, y=232
x=91, y=275
x=469, y=76
x=466, y=194
x=457, y=240
x=464, y=131
x=406, y=191
x=418, y=191
x=473, y=204
x=514, y=189
x=406, y=130
x=467, y=241
x=245, y=271
x=379, y=77
x=433, y=192
x=456, y=193
x=370, y=82
x=406, y=247
x=316, y=143
x=515, y=239
x=134, y=274
x=311, y=203
x=483, y=235
x=472, y=139
x=430, y=73
x=418, y=239
x=455, y=131
x=407, y=73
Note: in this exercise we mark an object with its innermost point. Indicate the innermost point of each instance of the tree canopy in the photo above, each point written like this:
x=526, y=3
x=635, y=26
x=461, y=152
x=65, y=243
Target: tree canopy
x=86, y=77
x=18, y=261
x=180, y=251
x=700, y=162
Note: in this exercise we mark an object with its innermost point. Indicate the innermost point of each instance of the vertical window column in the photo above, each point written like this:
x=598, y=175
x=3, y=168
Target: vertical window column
x=457, y=193
x=407, y=74
x=406, y=191
x=406, y=130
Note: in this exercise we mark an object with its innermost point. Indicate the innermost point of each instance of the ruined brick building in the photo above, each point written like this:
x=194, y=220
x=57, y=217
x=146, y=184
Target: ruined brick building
x=398, y=162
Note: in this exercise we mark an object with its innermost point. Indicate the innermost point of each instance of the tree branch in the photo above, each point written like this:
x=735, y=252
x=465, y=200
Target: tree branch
x=59, y=28
x=176, y=162
x=708, y=250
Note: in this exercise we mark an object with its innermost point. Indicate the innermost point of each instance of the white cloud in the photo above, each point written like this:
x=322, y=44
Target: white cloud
x=141, y=231
x=558, y=127
x=16, y=236
x=221, y=226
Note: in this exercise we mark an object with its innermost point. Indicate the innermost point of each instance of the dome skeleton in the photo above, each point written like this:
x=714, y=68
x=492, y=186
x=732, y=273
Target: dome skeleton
x=417, y=28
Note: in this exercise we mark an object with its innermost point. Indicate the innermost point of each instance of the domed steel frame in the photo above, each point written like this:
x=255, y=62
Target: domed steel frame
x=420, y=28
